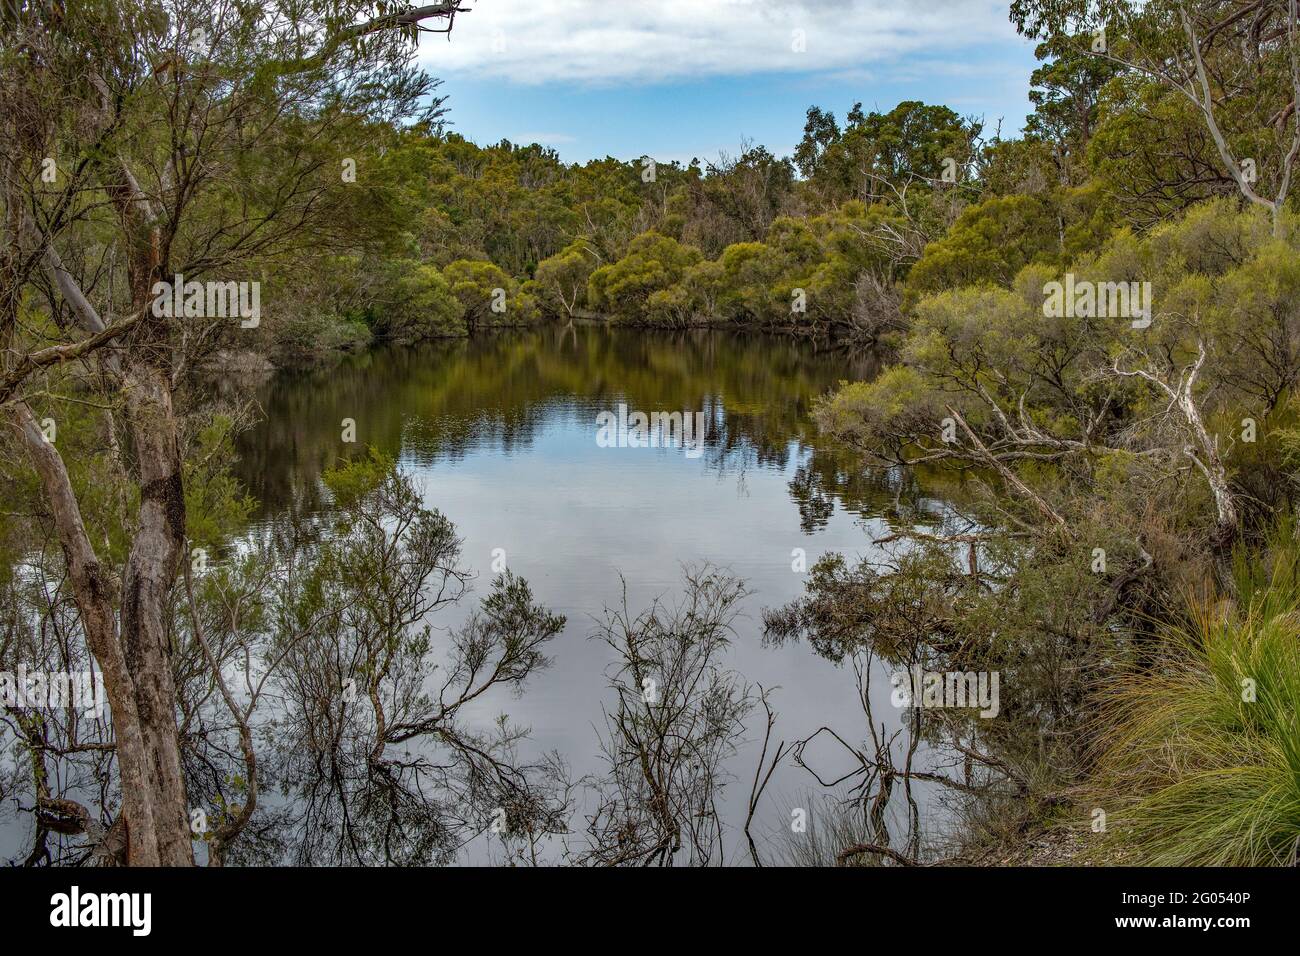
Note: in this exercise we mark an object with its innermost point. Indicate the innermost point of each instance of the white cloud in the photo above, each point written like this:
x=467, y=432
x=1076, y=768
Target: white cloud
x=610, y=41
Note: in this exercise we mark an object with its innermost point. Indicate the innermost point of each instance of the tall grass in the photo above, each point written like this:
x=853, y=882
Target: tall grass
x=1199, y=755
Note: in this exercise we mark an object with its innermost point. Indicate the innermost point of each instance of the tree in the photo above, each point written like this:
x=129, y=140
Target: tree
x=1153, y=154
x=401, y=773
x=1237, y=65
x=819, y=133
x=1066, y=91
x=171, y=128
x=990, y=242
x=422, y=306
x=878, y=153
x=562, y=278
x=1047, y=399
x=747, y=191
x=677, y=717
x=653, y=262
x=487, y=295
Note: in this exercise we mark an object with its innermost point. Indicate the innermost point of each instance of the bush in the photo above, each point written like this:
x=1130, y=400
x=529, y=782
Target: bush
x=562, y=278
x=305, y=336
x=421, y=307
x=1200, y=754
x=489, y=296
x=653, y=262
x=989, y=242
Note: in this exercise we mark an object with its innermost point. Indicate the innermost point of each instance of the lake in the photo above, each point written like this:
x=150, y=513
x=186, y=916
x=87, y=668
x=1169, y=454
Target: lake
x=501, y=434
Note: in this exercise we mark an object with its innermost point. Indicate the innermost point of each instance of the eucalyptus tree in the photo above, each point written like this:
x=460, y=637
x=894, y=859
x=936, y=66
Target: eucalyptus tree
x=144, y=142
x=1236, y=64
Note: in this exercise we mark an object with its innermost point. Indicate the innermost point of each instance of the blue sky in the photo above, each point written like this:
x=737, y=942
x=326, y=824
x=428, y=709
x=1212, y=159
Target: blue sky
x=677, y=79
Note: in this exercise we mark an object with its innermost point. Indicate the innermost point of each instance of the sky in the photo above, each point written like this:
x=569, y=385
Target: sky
x=678, y=79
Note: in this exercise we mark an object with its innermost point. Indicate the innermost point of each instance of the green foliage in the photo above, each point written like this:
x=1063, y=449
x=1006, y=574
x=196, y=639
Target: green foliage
x=580, y=232
x=1023, y=609
x=696, y=298
x=422, y=306
x=1013, y=166
x=653, y=262
x=994, y=240
x=990, y=242
x=1073, y=432
x=739, y=198
x=911, y=140
x=562, y=278
x=1066, y=91
x=300, y=337
x=802, y=277
x=1152, y=152
x=514, y=205
x=1041, y=389
x=488, y=296
x=216, y=505
x=883, y=417
x=354, y=480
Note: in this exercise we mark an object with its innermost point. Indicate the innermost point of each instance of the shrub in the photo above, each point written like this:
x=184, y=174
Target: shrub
x=1201, y=752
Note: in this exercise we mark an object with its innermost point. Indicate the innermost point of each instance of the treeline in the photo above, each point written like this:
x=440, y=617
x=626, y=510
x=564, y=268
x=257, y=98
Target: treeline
x=448, y=236
x=812, y=244
x=868, y=216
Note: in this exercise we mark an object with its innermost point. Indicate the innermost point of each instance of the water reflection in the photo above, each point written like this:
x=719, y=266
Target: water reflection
x=498, y=394
x=499, y=434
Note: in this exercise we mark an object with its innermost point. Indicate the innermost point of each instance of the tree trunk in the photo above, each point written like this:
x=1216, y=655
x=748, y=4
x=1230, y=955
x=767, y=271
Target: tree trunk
x=159, y=541
x=95, y=591
x=147, y=582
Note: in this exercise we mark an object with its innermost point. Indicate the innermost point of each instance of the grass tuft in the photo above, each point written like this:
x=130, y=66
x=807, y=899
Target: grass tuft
x=1199, y=756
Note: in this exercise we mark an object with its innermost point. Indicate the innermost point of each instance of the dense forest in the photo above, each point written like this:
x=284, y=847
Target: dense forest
x=1088, y=336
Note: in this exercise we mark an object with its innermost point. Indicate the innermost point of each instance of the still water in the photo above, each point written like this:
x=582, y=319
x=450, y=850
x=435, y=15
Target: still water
x=500, y=433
